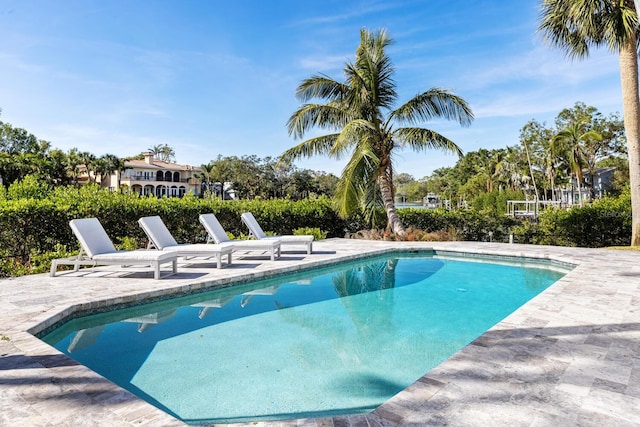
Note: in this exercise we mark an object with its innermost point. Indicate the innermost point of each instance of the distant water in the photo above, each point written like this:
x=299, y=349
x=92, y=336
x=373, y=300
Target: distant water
x=410, y=205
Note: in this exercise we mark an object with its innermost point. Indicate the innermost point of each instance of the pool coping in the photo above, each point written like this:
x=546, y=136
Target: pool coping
x=568, y=356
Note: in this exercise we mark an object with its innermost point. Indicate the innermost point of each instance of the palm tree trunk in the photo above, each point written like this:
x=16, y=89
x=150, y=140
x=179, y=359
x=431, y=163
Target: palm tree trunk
x=389, y=206
x=579, y=181
x=631, y=107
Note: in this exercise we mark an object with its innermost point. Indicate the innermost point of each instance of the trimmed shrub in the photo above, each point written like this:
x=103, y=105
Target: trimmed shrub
x=313, y=231
x=461, y=225
x=606, y=222
x=35, y=230
x=31, y=227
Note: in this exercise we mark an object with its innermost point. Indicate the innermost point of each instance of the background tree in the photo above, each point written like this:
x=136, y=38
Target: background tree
x=221, y=172
x=163, y=152
x=74, y=165
x=205, y=175
x=400, y=183
x=22, y=154
x=57, y=168
x=620, y=176
x=360, y=110
x=577, y=25
x=87, y=160
x=327, y=183
x=536, y=138
x=570, y=141
x=107, y=165
x=301, y=184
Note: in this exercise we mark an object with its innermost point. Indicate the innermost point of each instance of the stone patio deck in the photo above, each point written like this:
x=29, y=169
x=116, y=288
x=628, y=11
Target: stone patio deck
x=570, y=356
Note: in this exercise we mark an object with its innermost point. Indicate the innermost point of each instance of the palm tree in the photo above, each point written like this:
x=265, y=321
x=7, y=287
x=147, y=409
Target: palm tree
x=206, y=178
x=114, y=164
x=577, y=25
x=106, y=165
x=360, y=111
x=87, y=159
x=570, y=141
x=73, y=164
x=552, y=160
x=163, y=152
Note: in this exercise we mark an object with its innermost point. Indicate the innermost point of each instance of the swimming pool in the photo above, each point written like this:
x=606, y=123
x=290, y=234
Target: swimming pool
x=328, y=341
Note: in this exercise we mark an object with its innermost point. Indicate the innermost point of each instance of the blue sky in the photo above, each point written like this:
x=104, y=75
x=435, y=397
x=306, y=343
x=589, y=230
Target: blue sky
x=217, y=77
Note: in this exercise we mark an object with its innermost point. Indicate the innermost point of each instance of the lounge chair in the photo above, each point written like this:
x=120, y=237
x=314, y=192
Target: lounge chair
x=217, y=234
x=97, y=249
x=160, y=238
x=256, y=231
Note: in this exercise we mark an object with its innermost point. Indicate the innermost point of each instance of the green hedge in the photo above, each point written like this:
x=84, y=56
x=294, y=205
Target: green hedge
x=606, y=222
x=35, y=230
x=29, y=227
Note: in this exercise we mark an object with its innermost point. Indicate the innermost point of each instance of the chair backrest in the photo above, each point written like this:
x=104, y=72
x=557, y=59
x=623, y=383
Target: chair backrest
x=213, y=227
x=157, y=232
x=251, y=223
x=92, y=237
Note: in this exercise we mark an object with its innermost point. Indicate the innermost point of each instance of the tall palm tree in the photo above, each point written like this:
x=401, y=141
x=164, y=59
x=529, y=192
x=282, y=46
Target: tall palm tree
x=577, y=25
x=360, y=111
x=163, y=152
x=168, y=154
x=552, y=161
x=570, y=141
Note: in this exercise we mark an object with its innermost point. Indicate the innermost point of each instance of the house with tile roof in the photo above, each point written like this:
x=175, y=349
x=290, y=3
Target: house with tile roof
x=157, y=177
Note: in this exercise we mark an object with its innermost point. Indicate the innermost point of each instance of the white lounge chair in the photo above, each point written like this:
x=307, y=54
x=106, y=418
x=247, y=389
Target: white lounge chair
x=97, y=249
x=256, y=231
x=160, y=238
x=217, y=234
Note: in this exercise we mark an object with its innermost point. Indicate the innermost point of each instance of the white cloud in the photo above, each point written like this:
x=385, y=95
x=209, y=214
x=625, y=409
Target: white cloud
x=544, y=65
x=320, y=63
x=356, y=11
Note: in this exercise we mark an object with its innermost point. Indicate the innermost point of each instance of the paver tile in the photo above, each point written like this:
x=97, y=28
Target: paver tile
x=568, y=357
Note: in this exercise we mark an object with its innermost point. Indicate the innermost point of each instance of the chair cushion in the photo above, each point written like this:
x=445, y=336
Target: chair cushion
x=203, y=248
x=157, y=232
x=140, y=255
x=92, y=237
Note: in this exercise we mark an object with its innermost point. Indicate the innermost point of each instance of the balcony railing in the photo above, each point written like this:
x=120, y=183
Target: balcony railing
x=153, y=178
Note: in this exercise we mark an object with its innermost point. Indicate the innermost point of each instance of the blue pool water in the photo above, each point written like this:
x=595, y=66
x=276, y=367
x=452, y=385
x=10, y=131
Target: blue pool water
x=337, y=340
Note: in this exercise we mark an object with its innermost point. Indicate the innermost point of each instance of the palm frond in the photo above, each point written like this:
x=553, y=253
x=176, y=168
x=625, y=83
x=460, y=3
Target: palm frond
x=354, y=133
x=420, y=139
x=371, y=203
x=326, y=116
x=434, y=103
x=356, y=176
x=374, y=70
x=321, y=86
x=580, y=25
x=320, y=145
